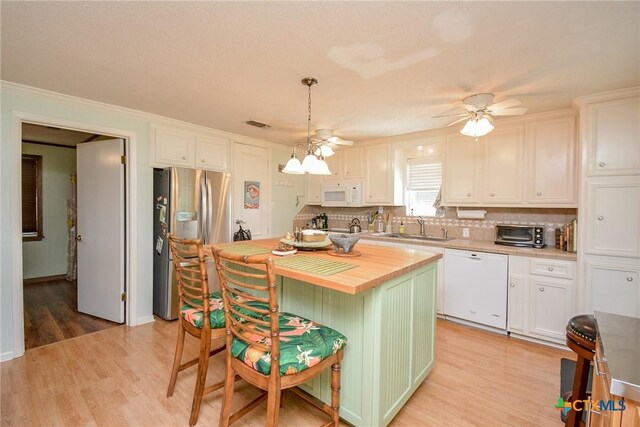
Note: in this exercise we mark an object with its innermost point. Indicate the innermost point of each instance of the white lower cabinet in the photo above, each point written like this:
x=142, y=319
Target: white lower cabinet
x=614, y=288
x=540, y=297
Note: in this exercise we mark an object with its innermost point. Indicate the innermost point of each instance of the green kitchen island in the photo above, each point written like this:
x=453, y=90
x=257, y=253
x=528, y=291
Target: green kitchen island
x=384, y=302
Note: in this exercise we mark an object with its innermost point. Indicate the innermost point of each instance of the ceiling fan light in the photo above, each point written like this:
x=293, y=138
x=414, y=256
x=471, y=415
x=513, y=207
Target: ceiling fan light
x=293, y=166
x=477, y=127
x=326, y=150
x=309, y=163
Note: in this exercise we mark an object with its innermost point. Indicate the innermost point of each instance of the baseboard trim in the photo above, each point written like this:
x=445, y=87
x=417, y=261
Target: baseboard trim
x=44, y=279
x=6, y=356
x=145, y=319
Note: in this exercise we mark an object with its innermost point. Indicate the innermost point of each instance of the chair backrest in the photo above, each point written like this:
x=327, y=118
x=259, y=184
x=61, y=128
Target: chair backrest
x=191, y=274
x=246, y=295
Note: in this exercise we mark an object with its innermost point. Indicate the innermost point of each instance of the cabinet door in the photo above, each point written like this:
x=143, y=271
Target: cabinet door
x=174, y=148
x=614, y=289
x=460, y=170
x=335, y=165
x=549, y=307
x=551, y=171
x=613, y=137
x=313, y=189
x=518, y=276
x=613, y=217
x=379, y=175
x=503, y=165
x=212, y=153
x=353, y=163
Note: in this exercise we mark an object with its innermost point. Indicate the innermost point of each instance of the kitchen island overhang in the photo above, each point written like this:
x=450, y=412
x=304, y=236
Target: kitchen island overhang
x=385, y=305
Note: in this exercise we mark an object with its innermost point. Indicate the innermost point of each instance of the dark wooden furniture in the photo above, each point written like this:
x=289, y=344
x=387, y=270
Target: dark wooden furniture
x=195, y=317
x=261, y=341
x=581, y=338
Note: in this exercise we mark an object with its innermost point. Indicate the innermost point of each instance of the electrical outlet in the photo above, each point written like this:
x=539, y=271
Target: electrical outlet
x=465, y=232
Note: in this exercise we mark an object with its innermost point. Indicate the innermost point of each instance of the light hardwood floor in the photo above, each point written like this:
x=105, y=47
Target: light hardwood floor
x=119, y=376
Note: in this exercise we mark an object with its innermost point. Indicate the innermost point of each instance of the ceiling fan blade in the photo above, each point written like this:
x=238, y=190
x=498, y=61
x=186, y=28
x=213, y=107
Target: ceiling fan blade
x=470, y=108
x=504, y=104
x=457, y=121
x=451, y=115
x=339, y=141
x=509, y=112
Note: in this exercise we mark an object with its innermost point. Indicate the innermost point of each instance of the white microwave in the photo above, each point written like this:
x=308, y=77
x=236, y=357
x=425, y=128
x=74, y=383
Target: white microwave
x=342, y=193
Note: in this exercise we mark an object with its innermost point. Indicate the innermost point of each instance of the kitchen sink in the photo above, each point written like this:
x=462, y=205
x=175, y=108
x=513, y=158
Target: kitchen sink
x=414, y=236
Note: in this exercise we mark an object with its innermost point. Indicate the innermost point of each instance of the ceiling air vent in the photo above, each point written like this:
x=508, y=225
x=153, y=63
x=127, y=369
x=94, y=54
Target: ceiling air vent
x=257, y=124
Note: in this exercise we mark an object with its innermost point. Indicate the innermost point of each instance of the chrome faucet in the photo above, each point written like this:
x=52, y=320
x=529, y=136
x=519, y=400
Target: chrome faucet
x=444, y=232
x=421, y=222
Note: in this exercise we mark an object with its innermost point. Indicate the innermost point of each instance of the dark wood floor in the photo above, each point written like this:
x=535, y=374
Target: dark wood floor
x=51, y=314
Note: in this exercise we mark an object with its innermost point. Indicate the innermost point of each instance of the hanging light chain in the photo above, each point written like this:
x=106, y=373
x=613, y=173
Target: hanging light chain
x=309, y=149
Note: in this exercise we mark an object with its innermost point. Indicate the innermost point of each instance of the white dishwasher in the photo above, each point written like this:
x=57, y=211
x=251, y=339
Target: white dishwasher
x=475, y=287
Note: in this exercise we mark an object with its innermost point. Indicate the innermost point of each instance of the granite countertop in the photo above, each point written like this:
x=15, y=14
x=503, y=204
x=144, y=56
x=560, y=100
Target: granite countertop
x=479, y=245
x=620, y=340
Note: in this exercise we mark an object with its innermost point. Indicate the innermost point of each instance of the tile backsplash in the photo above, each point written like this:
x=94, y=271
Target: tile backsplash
x=479, y=229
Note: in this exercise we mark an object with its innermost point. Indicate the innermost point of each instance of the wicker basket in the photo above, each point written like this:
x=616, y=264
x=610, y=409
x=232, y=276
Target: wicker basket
x=315, y=237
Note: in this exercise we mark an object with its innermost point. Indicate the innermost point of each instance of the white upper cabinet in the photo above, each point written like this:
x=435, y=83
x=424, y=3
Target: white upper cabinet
x=346, y=163
x=379, y=179
x=212, y=153
x=551, y=165
x=461, y=170
x=612, y=216
x=314, y=183
x=190, y=149
x=173, y=147
x=503, y=160
x=613, y=132
x=352, y=162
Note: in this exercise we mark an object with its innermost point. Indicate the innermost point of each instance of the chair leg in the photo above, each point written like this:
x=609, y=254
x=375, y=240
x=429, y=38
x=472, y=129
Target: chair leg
x=579, y=390
x=229, y=384
x=273, y=401
x=177, y=358
x=203, y=366
x=335, y=389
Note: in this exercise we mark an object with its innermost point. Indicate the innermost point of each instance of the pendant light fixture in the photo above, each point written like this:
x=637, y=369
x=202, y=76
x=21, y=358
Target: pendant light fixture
x=313, y=162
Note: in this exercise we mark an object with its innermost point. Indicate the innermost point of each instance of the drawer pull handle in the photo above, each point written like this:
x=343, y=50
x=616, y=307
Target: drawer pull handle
x=600, y=218
x=539, y=193
x=541, y=289
x=512, y=285
x=550, y=268
x=468, y=194
x=596, y=364
x=184, y=157
x=601, y=164
x=629, y=279
x=202, y=160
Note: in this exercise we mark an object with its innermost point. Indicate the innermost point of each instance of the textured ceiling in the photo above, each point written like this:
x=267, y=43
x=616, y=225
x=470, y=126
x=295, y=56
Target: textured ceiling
x=384, y=67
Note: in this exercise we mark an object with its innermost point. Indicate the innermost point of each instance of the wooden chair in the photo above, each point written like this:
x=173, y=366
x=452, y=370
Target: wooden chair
x=274, y=351
x=201, y=316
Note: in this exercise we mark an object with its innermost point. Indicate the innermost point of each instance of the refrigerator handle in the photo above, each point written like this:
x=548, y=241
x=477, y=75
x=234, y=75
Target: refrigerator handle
x=203, y=209
x=210, y=212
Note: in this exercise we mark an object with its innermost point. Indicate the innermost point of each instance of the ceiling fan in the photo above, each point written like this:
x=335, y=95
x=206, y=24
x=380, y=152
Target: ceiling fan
x=326, y=142
x=480, y=109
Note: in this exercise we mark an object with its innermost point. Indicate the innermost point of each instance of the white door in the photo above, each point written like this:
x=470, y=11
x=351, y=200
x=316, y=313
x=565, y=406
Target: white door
x=251, y=202
x=101, y=229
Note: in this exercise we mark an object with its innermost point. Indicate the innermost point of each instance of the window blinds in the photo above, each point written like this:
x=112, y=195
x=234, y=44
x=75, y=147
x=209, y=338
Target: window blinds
x=424, y=174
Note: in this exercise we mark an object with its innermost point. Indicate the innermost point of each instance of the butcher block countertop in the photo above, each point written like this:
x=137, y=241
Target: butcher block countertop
x=376, y=265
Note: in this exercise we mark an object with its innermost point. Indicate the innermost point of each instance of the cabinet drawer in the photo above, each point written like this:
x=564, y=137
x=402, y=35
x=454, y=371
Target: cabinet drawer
x=553, y=268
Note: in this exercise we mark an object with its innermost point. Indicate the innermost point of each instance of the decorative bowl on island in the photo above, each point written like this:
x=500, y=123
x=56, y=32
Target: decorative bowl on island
x=310, y=236
x=345, y=242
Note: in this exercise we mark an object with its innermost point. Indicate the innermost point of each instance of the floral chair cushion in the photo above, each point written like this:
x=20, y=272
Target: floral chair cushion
x=216, y=315
x=303, y=344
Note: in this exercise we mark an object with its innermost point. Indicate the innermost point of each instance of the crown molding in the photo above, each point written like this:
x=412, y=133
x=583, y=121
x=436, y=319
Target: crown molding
x=605, y=96
x=154, y=119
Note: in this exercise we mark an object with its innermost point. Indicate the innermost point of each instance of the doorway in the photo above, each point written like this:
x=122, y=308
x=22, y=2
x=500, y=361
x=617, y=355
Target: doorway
x=50, y=233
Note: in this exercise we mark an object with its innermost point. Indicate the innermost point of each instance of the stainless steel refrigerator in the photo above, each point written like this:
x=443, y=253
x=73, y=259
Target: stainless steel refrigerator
x=188, y=203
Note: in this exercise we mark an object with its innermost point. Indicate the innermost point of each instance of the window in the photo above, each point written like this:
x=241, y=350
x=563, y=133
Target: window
x=31, y=197
x=424, y=178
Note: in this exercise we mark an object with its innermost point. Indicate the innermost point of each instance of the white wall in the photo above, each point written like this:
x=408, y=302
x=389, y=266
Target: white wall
x=48, y=257
x=283, y=196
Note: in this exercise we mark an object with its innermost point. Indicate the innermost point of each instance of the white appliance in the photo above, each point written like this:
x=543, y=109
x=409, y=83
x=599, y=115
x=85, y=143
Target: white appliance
x=348, y=192
x=475, y=287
